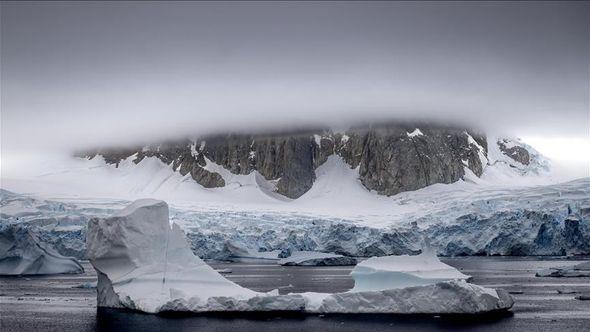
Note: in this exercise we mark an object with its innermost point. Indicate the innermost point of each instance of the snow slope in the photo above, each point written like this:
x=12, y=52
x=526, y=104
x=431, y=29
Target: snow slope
x=503, y=170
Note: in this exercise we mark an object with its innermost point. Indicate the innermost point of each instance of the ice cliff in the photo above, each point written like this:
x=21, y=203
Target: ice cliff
x=457, y=219
x=144, y=263
x=23, y=253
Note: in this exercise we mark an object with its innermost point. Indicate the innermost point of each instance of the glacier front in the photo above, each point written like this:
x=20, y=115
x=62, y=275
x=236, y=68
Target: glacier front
x=457, y=220
x=23, y=253
x=144, y=263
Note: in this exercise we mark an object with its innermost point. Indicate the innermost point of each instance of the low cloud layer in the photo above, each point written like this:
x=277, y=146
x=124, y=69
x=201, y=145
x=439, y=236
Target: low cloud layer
x=85, y=74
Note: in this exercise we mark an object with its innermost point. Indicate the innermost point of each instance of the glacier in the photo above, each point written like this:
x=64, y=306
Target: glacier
x=23, y=253
x=144, y=263
x=458, y=219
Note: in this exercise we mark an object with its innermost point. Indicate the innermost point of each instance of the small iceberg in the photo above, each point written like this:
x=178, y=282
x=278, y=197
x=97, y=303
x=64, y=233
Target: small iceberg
x=144, y=263
x=576, y=271
x=393, y=272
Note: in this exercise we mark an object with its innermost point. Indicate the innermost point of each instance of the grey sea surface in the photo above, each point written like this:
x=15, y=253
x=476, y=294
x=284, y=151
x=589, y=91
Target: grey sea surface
x=58, y=303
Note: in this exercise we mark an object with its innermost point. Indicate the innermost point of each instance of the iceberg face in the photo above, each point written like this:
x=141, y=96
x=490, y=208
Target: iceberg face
x=144, y=263
x=449, y=297
x=393, y=272
x=23, y=253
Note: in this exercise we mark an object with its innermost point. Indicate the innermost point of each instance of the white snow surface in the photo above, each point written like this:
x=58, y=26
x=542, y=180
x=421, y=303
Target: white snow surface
x=317, y=139
x=503, y=170
x=392, y=272
x=416, y=132
x=144, y=263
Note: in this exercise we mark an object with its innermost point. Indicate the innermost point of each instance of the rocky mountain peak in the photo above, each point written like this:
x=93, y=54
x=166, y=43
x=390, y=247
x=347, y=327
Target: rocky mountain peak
x=390, y=158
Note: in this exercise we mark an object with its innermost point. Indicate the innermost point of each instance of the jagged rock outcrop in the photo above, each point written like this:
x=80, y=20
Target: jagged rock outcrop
x=391, y=158
x=518, y=153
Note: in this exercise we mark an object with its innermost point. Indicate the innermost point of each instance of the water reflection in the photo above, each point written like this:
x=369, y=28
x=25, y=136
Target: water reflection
x=124, y=320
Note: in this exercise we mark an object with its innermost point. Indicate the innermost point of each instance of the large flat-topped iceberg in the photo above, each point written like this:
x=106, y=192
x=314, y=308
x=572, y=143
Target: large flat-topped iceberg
x=392, y=272
x=144, y=263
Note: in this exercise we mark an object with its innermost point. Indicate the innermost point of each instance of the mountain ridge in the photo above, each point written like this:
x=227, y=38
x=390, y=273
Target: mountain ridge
x=391, y=158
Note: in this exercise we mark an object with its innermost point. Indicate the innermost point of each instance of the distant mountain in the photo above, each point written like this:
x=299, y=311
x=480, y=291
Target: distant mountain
x=390, y=158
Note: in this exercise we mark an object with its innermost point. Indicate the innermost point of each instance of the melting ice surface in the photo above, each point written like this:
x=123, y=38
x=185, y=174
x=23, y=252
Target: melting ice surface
x=391, y=272
x=144, y=263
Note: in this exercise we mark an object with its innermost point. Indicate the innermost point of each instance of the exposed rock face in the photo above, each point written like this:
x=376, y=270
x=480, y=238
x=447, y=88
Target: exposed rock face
x=518, y=153
x=391, y=158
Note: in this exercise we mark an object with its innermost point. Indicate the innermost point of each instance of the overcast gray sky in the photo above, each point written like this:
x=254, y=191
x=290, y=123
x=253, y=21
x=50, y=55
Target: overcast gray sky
x=96, y=73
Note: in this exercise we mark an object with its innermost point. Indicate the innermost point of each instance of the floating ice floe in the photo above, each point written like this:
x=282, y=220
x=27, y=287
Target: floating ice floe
x=144, y=263
x=575, y=271
x=393, y=272
x=23, y=253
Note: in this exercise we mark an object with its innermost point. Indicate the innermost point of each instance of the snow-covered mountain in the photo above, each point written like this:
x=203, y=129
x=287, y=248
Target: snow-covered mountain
x=387, y=159
x=365, y=174
x=372, y=192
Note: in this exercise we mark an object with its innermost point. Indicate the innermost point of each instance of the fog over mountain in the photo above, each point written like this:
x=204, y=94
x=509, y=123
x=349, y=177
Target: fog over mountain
x=86, y=74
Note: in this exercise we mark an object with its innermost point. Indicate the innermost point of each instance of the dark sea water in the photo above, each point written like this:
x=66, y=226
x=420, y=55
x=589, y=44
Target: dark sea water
x=54, y=303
